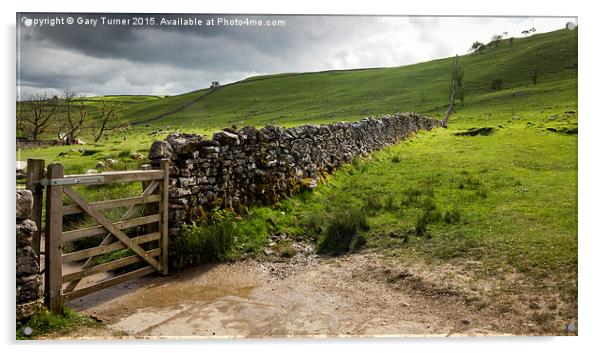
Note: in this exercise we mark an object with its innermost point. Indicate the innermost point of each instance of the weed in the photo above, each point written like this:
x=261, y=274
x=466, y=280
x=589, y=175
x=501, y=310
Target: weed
x=496, y=84
x=542, y=318
x=481, y=193
x=208, y=242
x=341, y=232
x=469, y=183
x=43, y=323
x=411, y=196
x=124, y=154
x=373, y=203
x=427, y=216
x=451, y=216
x=89, y=152
x=285, y=249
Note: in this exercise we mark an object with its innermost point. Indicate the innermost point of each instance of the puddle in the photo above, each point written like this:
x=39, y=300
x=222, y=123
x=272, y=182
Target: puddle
x=333, y=297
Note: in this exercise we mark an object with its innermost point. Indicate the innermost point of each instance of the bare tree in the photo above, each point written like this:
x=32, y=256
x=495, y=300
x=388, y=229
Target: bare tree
x=21, y=111
x=457, y=89
x=108, y=118
x=533, y=76
x=477, y=47
x=495, y=40
x=75, y=115
x=36, y=114
x=527, y=31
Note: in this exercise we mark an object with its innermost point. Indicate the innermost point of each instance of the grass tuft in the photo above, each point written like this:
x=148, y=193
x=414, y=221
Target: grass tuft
x=212, y=241
x=43, y=323
x=342, y=233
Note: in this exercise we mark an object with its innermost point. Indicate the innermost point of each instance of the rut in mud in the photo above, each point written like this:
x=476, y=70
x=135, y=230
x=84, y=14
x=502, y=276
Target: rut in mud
x=306, y=296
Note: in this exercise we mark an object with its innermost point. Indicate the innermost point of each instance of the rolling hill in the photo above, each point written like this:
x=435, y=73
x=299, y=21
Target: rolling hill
x=322, y=97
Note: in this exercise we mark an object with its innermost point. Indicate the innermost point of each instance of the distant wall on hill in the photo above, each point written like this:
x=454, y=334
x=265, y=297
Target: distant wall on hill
x=25, y=143
x=241, y=167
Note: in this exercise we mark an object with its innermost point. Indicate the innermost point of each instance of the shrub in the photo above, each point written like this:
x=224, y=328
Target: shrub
x=285, y=249
x=372, y=205
x=395, y=159
x=342, y=233
x=430, y=214
x=358, y=242
x=359, y=165
x=497, y=84
x=124, y=154
x=208, y=242
x=481, y=193
x=89, y=152
x=411, y=196
x=451, y=216
x=469, y=183
x=314, y=224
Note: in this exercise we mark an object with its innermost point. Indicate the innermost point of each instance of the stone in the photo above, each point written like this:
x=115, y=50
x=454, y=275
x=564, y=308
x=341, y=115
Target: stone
x=137, y=156
x=183, y=144
x=178, y=192
x=25, y=232
x=28, y=309
x=178, y=203
x=159, y=150
x=226, y=138
x=24, y=204
x=27, y=263
x=111, y=163
x=268, y=251
x=91, y=171
x=100, y=165
x=186, y=182
x=29, y=288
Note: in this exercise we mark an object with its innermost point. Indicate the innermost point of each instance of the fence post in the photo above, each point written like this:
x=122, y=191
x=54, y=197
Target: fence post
x=164, y=210
x=149, y=209
x=35, y=173
x=53, y=281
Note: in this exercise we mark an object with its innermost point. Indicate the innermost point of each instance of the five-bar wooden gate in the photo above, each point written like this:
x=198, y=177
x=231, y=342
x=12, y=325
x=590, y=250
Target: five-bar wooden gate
x=150, y=248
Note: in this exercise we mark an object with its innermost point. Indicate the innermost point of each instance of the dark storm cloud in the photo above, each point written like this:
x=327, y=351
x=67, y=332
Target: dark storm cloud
x=175, y=59
x=191, y=47
x=207, y=52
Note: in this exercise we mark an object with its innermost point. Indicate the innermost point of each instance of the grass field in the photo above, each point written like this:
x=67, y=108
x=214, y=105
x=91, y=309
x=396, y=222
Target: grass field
x=500, y=207
x=326, y=97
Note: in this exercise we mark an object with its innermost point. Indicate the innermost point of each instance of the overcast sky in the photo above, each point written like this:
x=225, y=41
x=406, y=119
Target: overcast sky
x=165, y=59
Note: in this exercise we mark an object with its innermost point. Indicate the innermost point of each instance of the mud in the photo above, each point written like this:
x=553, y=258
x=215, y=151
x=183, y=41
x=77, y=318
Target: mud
x=356, y=295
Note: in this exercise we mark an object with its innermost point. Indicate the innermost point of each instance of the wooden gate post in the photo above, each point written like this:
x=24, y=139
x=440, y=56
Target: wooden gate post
x=53, y=280
x=35, y=173
x=149, y=209
x=164, y=211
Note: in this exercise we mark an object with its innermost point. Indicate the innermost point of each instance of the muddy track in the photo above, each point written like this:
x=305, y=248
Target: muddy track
x=177, y=109
x=307, y=296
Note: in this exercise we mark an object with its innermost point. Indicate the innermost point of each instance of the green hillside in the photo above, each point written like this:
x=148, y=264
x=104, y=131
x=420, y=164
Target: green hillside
x=288, y=99
x=323, y=97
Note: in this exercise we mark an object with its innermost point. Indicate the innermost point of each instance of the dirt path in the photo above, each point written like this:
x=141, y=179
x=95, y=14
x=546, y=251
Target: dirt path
x=354, y=295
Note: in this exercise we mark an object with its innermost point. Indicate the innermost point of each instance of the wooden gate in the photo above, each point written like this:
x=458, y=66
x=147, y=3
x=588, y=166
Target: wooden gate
x=149, y=248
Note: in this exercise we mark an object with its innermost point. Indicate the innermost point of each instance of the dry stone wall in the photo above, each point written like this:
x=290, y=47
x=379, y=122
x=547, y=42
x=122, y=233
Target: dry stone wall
x=29, y=280
x=240, y=167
